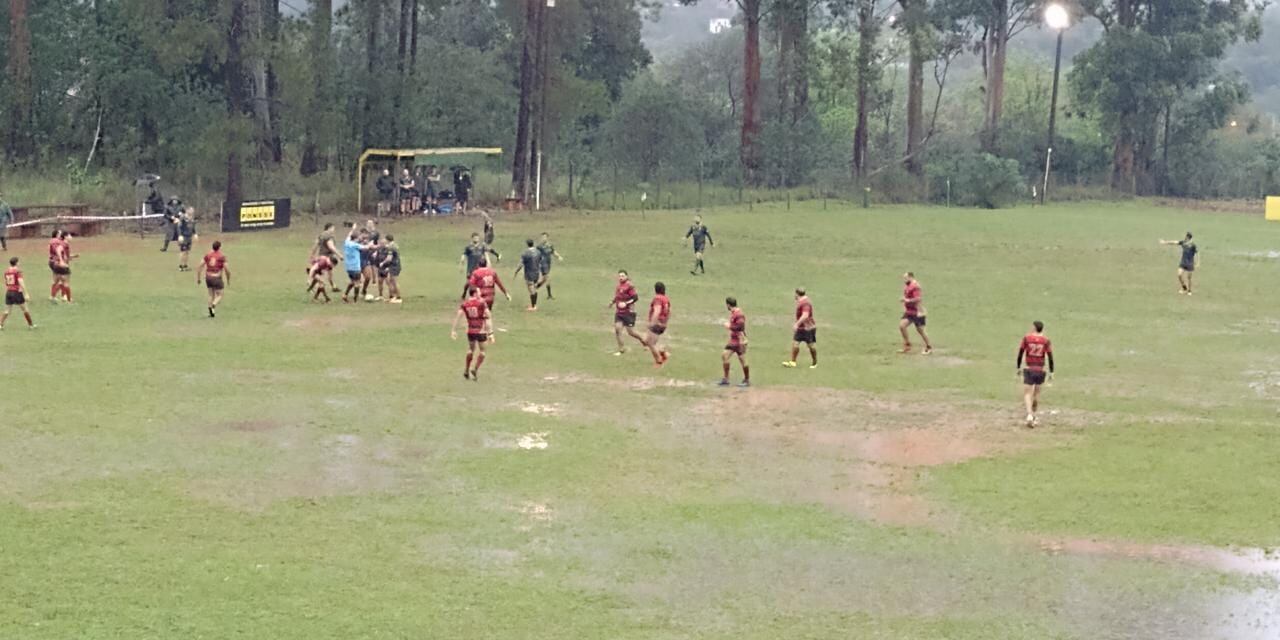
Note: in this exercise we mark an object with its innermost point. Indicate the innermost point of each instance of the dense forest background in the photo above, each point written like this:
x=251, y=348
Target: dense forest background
x=942, y=100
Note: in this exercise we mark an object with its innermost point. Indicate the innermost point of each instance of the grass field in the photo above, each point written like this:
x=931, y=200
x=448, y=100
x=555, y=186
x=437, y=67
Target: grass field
x=292, y=470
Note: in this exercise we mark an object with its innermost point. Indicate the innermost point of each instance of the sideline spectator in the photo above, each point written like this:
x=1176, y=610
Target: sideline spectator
x=386, y=186
x=6, y=219
x=408, y=192
x=172, y=213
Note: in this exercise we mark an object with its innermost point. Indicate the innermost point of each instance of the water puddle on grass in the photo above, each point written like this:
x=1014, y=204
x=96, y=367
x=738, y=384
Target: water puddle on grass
x=1248, y=562
x=540, y=409
x=533, y=441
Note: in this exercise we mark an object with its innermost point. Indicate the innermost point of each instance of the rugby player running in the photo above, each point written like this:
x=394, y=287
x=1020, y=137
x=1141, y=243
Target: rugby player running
x=913, y=313
x=624, y=311
x=531, y=265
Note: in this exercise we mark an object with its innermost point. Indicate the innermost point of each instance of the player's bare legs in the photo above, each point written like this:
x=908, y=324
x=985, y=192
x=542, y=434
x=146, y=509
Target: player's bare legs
x=617, y=335
x=726, y=359
x=25, y=314
x=660, y=355
x=795, y=353
x=318, y=284
x=928, y=348
x=1029, y=401
x=475, y=358
x=393, y=287
x=906, y=339
x=1184, y=281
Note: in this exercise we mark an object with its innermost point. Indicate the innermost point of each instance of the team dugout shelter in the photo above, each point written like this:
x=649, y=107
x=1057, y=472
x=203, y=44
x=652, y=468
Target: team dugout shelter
x=397, y=159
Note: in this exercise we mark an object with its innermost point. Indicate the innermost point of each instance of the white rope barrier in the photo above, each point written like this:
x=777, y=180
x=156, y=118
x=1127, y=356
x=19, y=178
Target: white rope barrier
x=27, y=223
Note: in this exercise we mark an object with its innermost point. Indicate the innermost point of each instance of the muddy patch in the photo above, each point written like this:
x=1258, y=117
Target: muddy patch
x=1248, y=562
x=292, y=462
x=879, y=447
x=629, y=384
x=252, y=426
x=1264, y=384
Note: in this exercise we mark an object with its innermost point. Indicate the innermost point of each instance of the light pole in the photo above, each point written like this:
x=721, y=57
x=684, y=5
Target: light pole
x=1057, y=18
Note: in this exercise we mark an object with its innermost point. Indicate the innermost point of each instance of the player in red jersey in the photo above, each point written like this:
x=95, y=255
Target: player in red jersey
x=913, y=313
x=60, y=265
x=659, y=314
x=805, y=330
x=321, y=266
x=216, y=275
x=1037, y=348
x=479, y=328
x=15, y=293
x=486, y=280
x=624, y=311
x=737, y=326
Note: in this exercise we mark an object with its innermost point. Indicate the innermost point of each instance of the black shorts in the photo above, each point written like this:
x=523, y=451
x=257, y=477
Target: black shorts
x=59, y=270
x=185, y=246
x=477, y=337
x=394, y=271
x=657, y=330
x=740, y=349
x=697, y=248
x=213, y=282
x=532, y=281
x=807, y=336
x=546, y=270
x=1033, y=378
x=14, y=298
x=354, y=276
x=627, y=319
x=1187, y=267
x=918, y=321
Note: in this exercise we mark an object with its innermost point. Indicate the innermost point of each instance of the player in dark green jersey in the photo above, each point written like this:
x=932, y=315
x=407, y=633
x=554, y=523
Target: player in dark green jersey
x=547, y=252
x=531, y=265
x=470, y=260
x=701, y=237
x=1187, y=266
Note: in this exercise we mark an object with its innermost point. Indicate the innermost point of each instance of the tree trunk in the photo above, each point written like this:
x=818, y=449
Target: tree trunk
x=374, y=15
x=994, y=54
x=314, y=160
x=868, y=30
x=402, y=53
x=538, y=103
x=793, y=59
x=915, y=26
x=273, y=82
x=749, y=146
x=234, y=84
x=20, y=146
x=520, y=161
x=413, y=36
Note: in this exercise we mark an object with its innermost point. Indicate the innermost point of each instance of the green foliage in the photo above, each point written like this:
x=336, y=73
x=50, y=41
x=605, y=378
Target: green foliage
x=654, y=131
x=981, y=180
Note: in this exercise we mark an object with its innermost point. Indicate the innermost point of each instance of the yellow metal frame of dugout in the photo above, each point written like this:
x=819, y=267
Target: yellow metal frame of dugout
x=397, y=154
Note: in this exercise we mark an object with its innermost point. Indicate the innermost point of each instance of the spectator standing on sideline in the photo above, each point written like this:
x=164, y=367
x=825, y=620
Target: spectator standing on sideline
x=433, y=186
x=172, y=212
x=386, y=186
x=6, y=219
x=462, y=187
x=408, y=192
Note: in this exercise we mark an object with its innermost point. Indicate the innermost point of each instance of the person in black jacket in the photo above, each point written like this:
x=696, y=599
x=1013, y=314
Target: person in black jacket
x=172, y=213
x=386, y=186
